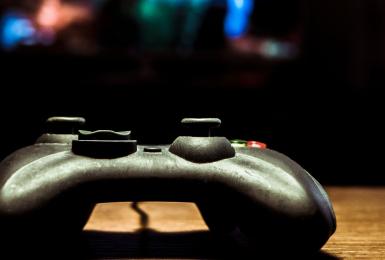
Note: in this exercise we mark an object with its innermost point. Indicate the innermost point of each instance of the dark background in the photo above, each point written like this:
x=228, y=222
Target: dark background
x=324, y=109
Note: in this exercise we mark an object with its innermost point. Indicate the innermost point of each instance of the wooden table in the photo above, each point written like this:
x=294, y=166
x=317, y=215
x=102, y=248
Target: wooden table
x=177, y=231
x=360, y=215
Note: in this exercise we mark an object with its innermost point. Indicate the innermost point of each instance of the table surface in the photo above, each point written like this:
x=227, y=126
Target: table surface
x=159, y=230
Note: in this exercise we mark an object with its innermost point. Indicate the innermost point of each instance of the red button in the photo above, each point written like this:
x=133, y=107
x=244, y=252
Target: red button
x=256, y=144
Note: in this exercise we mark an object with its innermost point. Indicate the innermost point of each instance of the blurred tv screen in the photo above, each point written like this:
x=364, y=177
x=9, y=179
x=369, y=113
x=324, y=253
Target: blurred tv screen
x=265, y=28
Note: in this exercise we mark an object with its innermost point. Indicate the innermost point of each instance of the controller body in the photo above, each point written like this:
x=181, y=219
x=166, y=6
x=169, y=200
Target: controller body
x=52, y=186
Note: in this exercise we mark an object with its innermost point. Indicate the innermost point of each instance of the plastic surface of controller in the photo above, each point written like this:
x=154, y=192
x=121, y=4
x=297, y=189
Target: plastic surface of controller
x=52, y=186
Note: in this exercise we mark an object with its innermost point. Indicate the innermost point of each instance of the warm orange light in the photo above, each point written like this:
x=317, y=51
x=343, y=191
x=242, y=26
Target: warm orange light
x=48, y=16
x=55, y=15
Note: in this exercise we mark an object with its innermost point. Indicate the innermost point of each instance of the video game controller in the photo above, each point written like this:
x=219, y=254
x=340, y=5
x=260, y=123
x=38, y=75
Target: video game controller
x=52, y=186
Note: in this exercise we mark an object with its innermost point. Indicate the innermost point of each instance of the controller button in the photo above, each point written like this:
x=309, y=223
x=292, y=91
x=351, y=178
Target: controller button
x=256, y=144
x=104, y=144
x=64, y=125
x=152, y=149
x=202, y=149
x=104, y=135
x=238, y=143
x=201, y=126
x=210, y=122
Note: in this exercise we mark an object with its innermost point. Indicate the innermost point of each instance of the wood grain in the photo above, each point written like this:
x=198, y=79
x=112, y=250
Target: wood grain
x=360, y=213
x=177, y=231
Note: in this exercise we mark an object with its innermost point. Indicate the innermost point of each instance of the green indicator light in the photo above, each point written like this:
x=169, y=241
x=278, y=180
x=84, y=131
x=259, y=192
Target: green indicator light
x=238, y=143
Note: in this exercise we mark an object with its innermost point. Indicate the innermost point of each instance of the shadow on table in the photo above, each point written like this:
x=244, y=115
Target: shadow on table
x=148, y=243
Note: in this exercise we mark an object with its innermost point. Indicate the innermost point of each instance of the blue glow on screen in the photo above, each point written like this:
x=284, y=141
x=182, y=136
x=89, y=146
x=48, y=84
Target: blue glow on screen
x=235, y=24
x=15, y=28
x=237, y=18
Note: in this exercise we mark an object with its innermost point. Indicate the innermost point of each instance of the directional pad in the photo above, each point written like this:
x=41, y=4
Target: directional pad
x=104, y=135
x=104, y=144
